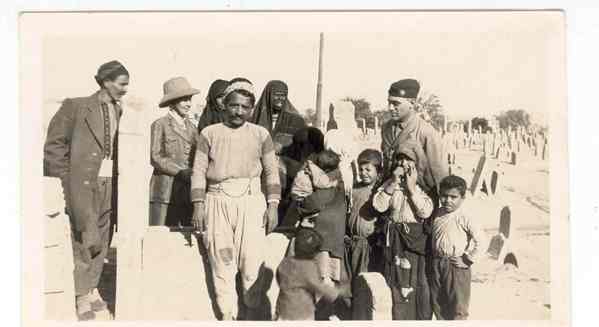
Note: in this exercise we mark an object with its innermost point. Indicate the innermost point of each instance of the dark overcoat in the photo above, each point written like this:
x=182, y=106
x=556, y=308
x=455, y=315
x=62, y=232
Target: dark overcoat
x=73, y=151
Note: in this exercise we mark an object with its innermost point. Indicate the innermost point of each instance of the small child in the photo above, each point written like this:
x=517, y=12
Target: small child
x=299, y=280
x=318, y=190
x=320, y=171
x=363, y=218
x=456, y=245
x=407, y=207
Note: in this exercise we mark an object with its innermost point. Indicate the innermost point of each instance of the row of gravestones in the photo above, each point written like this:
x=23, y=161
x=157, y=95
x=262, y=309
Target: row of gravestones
x=505, y=145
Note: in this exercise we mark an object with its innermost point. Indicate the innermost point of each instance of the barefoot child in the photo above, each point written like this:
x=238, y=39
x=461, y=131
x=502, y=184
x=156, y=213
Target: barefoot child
x=456, y=245
x=299, y=280
x=363, y=218
x=407, y=207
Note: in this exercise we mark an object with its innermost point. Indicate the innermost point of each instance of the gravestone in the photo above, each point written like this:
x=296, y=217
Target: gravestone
x=485, y=179
x=513, y=159
x=505, y=219
x=371, y=298
x=478, y=173
x=499, y=245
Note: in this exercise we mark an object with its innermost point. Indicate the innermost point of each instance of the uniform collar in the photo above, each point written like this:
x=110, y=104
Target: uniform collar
x=408, y=121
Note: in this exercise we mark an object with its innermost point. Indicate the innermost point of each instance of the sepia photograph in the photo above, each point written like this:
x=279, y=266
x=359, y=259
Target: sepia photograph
x=296, y=165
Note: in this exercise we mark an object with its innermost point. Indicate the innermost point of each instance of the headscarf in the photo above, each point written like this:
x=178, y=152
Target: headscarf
x=212, y=114
x=263, y=113
x=413, y=150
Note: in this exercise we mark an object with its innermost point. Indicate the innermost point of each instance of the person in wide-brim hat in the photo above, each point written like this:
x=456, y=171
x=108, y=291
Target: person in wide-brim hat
x=173, y=144
x=175, y=88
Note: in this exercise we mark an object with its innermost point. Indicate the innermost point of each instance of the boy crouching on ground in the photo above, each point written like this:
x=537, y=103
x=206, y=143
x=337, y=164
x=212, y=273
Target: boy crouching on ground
x=299, y=280
x=456, y=245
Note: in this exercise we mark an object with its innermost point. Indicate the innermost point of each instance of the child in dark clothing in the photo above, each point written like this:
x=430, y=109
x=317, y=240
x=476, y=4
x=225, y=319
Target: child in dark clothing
x=299, y=280
x=318, y=190
x=363, y=218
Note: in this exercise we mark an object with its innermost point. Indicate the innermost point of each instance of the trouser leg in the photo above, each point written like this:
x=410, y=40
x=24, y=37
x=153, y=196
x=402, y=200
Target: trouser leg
x=250, y=237
x=222, y=253
x=158, y=212
x=435, y=287
x=88, y=270
x=422, y=290
x=459, y=294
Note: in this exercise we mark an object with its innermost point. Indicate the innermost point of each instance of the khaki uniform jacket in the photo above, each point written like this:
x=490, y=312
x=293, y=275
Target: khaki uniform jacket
x=172, y=150
x=74, y=151
x=416, y=128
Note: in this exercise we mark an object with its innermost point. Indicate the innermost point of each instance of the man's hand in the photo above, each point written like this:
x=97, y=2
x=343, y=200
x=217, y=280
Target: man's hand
x=271, y=217
x=198, y=220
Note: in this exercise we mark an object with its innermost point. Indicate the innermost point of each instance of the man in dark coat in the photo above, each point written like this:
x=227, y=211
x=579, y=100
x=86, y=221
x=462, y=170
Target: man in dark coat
x=81, y=150
x=405, y=124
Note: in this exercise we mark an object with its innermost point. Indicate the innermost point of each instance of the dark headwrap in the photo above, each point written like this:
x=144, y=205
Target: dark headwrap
x=212, y=114
x=413, y=150
x=110, y=70
x=263, y=114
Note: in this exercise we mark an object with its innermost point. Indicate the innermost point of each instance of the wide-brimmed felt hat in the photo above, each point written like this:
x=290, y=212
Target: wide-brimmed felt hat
x=175, y=88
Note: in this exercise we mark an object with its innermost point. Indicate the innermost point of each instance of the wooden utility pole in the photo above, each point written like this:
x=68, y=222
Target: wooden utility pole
x=319, y=121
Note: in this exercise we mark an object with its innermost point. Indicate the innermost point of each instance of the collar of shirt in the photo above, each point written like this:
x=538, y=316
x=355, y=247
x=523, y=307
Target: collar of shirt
x=105, y=97
x=178, y=119
x=409, y=121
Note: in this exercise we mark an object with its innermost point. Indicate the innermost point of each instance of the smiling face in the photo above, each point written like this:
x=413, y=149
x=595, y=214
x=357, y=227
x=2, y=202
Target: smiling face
x=400, y=108
x=117, y=87
x=182, y=106
x=237, y=109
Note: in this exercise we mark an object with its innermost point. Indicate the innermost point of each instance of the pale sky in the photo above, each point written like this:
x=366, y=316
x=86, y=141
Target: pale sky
x=477, y=63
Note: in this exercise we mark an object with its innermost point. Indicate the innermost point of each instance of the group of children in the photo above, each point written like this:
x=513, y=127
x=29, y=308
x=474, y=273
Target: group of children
x=391, y=225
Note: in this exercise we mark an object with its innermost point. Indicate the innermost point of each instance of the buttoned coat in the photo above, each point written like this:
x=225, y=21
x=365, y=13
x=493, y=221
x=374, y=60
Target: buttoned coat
x=416, y=128
x=172, y=150
x=74, y=151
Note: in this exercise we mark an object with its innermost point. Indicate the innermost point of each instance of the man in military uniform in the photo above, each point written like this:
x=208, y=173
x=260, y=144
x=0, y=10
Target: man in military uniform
x=81, y=149
x=406, y=124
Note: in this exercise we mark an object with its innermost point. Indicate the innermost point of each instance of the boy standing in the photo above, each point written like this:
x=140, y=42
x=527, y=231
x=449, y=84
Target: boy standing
x=456, y=245
x=363, y=218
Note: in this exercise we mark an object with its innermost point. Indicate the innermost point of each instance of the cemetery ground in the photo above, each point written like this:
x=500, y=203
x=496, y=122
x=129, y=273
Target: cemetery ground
x=499, y=291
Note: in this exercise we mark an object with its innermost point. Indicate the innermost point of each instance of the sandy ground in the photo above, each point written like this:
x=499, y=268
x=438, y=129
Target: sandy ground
x=498, y=291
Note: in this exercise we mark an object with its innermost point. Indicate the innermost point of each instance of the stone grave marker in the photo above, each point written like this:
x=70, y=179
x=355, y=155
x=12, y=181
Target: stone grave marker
x=372, y=298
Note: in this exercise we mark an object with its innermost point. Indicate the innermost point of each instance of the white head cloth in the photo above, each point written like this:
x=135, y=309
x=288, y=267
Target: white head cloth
x=239, y=85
